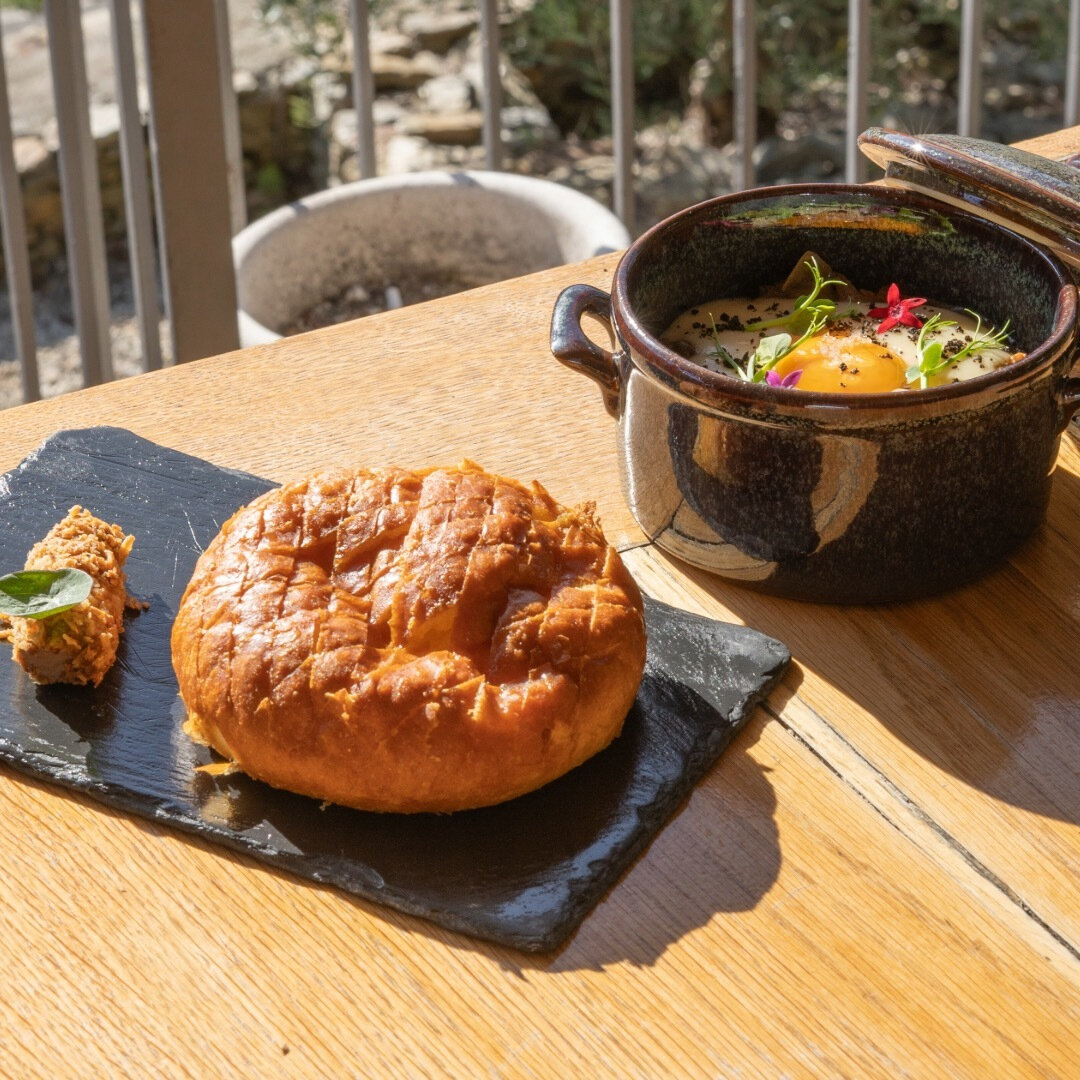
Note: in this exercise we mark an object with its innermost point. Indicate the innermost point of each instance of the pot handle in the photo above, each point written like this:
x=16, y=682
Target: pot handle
x=1070, y=397
x=1070, y=403
x=572, y=347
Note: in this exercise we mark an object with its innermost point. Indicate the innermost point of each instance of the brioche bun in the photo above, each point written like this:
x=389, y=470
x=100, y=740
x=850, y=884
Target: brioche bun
x=409, y=641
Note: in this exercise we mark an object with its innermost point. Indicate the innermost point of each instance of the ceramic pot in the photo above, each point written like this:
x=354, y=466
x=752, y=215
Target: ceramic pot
x=826, y=496
x=461, y=229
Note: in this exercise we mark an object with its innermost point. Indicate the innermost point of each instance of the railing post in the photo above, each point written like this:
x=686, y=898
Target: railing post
x=744, y=13
x=83, y=224
x=969, y=107
x=1072, y=66
x=230, y=111
x=16, y=253
x=363, y=87
x=858, y=75
x=622, y=110
x=137, y=207
x=489, y=62
x=191, y=175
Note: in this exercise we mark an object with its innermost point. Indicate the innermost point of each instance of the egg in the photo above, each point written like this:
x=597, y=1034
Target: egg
x=847, y=356
x=832, y=361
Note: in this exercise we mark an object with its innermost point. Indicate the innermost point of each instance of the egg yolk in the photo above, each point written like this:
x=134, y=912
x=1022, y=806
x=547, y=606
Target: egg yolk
x=837, y=364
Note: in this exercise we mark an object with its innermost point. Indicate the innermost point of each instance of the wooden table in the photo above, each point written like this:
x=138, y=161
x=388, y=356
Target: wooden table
x=879, y=878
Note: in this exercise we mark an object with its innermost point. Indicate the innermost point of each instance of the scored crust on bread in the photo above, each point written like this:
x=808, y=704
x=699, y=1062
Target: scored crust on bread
x=409, y=641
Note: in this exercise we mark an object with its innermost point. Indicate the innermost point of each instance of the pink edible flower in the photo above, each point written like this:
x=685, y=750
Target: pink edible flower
x=897, y=312
x=790, y=379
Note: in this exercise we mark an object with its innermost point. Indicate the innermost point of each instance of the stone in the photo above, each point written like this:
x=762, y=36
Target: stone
x=386, y=111
x=407, y=153
x=244, y=81
x=344, y=168
x=446, y=94
x=816, y=157
x=30, y=152
x=401, y=73
x=516, y=89
x=680, y=177
x=392, y=43
x=458, y=129
x=104, y=121
x=297, y=70
x=327, y=92
x=344, y=130
x=526, y=126
x=436, y=30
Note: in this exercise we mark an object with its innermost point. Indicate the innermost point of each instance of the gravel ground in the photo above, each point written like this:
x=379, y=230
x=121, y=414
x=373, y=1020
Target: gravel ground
x=31, y=98
x=58, y=346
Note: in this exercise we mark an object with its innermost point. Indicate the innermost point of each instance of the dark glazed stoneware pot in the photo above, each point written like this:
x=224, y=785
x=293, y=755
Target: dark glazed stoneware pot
x=820, y=496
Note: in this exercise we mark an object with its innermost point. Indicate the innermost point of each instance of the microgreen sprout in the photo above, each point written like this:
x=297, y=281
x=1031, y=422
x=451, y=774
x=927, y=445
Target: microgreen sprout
x=756, y=365
x=813, y=305
x=769, y=352
x=994, y=339
x=932, y=355
x=722, y=354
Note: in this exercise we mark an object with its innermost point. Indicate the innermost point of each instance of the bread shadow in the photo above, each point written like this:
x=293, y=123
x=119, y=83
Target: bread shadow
x=545, y=864
x=526, y=873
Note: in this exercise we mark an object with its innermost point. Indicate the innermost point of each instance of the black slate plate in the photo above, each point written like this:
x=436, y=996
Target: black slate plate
x=523, y=874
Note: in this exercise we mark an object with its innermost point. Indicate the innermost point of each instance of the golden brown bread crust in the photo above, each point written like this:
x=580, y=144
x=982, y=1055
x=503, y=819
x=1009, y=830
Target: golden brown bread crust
x=409, y=641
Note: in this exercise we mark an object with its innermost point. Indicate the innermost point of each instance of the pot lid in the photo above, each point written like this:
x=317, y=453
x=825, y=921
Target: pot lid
x=1029, y=194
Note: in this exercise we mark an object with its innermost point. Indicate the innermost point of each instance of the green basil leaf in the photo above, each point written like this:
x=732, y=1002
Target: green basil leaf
x=33, y=594
x=930, y=358
x=771, y=349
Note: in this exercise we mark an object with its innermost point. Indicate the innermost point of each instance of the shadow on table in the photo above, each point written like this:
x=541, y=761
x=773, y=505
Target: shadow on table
x=725, y=859
x=538, y=862
x=981, y=681
x=721, y=854
x=523, y=873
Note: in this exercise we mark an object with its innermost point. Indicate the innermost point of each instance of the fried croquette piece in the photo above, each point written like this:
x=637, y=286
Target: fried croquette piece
x=77, y=645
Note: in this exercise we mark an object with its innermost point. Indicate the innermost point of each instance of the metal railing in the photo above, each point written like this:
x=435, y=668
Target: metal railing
x=197, y=168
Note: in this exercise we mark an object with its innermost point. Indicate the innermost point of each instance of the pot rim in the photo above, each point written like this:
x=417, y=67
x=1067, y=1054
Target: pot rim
x=546, y=194
x=681, y=373
x=586, y=224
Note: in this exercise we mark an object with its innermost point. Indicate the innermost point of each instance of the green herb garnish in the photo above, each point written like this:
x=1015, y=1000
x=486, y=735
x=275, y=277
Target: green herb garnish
x=932, y=355
x=755, y=366
x=812, y=306
x=811, y=312
x=34, y=594
x=722, y=354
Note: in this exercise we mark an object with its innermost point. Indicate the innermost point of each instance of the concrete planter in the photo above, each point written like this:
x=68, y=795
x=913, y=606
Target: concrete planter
x=468, y=228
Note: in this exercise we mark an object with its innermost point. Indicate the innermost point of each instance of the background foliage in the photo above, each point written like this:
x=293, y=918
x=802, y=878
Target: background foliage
x=563, y=46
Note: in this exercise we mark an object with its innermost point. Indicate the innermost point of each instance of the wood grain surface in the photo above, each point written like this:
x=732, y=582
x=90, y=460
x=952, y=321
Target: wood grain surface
x=879, y=878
